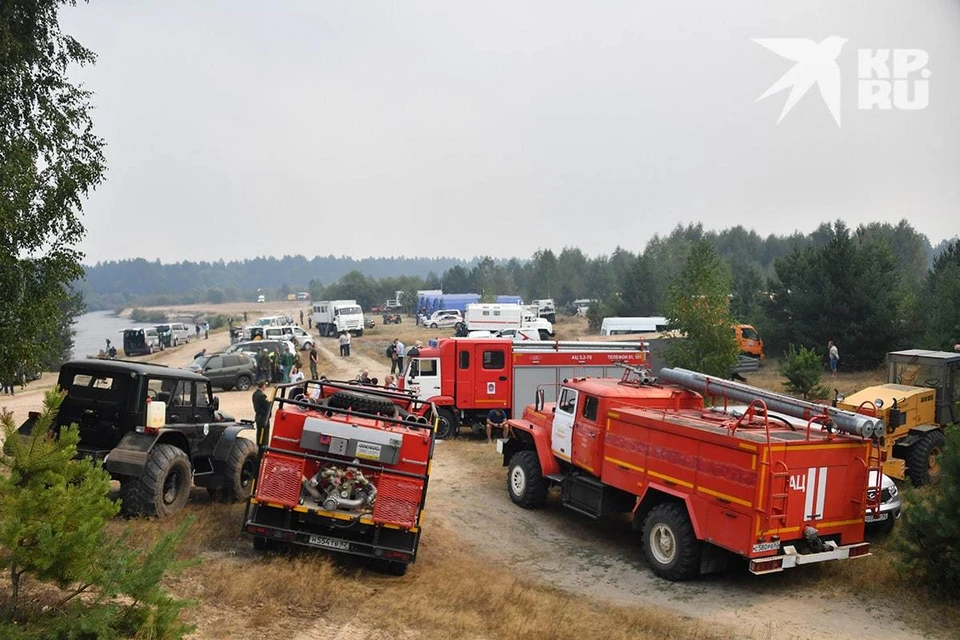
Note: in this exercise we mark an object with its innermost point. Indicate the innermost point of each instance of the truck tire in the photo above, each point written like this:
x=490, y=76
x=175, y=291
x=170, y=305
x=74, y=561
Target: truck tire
x=525, y=482
x=164, y=486
x=243, y=383
x=359, y=332
x=670, y=544
x=922, y=458
x=239, y=471
x=447, y=426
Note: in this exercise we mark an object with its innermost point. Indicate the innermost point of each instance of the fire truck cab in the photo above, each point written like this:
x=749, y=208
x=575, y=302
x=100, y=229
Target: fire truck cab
x=467, y=377
x=702, y=484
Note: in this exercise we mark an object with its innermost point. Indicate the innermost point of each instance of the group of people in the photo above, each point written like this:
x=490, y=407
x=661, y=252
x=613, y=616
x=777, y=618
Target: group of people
x=396, y=351
x=280, y=367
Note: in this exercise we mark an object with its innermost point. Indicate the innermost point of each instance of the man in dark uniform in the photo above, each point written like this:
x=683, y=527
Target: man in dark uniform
x=261, y=409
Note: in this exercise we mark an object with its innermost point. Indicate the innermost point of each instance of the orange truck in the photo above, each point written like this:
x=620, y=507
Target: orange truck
x=343, y=468
x=467, y=377
x=703, y=485
x=749, y=341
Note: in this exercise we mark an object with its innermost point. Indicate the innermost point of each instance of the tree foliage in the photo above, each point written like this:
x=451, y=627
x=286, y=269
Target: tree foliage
x=929, y=529
x=49, y=161
x=941, y=300
x=803, y=369
x=54, y=511
x=698, y=307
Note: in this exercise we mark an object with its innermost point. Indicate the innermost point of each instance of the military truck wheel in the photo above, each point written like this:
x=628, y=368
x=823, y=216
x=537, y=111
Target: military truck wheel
x=396, y=568
x=447, y=426
x=525, y=482
x=359, y=332
x=239, y=471
x=923, y=458
x=243, y=383
x=669, y=543
x=163, y=488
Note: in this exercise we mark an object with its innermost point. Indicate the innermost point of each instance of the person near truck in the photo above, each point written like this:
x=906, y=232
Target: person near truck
x=314, y=358
x=261, y=408
x=344, y=344
x=392, y=354
x=497, y=419
x=401, y=350
x=263, y=365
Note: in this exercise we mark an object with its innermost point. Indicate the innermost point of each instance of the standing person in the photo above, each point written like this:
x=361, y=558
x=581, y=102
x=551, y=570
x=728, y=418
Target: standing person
x=244, y=316
x=497, y=418
x=401, y=350
x=343, y=343
x=197, y=327
x=261, y=409
x=206, y=330
x=309, y=322
x=313, y=362
x=263, y=365
x=286, y=364
x=301, y=317
x=834, y=357
x=296, y=375
x=392, y=354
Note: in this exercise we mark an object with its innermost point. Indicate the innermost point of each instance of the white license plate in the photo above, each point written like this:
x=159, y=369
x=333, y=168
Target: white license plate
x=330, y=543
x=878, y=518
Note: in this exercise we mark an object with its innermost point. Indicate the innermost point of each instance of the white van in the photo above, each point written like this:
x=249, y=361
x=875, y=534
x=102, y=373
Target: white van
x=304, y=339
x=493, y=317
x=623, y=326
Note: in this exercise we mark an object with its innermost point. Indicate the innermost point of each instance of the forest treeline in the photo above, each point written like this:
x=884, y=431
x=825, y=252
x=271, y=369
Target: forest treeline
x=871, y=289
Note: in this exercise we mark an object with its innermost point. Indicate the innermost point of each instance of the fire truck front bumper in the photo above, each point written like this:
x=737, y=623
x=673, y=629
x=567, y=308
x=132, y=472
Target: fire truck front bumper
x=791, y=558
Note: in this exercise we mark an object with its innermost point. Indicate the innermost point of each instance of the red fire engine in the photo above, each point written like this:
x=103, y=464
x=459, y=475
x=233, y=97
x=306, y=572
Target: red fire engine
x=345, y=468
x=701, y=482
x=467, y=377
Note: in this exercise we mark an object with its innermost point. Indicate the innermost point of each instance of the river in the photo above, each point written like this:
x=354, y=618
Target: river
x=91, y=331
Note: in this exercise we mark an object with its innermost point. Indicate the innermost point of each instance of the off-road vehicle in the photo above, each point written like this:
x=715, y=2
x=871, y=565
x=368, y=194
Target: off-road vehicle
x=156, y=452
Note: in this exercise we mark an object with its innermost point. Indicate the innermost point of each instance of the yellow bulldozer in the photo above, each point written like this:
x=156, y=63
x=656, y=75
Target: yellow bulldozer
x=920, y=399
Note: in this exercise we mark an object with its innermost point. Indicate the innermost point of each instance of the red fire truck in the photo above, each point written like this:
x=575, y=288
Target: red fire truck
x=344, y=468
x=467, y=377
x=702, y=483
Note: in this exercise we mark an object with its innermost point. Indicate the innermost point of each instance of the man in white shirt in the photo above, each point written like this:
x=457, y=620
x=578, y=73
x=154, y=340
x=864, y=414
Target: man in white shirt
x=401, y=350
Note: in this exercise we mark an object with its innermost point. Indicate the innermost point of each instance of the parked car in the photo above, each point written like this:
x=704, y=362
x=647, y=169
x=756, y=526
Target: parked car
x=444, y=318
x=368, y=322
x=889, y=504
x=226, y=370
x=252, y=347
x=138, y=341
x=173, y=333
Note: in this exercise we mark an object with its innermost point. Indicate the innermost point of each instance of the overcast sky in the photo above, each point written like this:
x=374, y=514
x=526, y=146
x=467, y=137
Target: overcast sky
x=236, y=129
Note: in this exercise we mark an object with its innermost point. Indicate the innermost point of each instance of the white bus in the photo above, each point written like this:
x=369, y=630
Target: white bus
x=623, y=326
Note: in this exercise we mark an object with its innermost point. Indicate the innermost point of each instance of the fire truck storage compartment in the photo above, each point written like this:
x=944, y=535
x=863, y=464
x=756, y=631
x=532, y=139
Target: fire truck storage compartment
x=527, y=379
x=351, y=440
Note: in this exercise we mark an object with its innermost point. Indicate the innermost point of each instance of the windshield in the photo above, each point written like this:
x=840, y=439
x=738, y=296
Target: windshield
x=917, y=375
x=347, y=311
x=163, y=327
x=749, y=333
x=201, y=361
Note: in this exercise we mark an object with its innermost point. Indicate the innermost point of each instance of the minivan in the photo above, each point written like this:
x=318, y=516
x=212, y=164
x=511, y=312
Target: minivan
x=138, y=341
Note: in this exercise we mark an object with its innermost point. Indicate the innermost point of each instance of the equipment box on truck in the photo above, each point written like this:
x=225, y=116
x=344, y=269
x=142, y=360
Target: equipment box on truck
x=343, y=468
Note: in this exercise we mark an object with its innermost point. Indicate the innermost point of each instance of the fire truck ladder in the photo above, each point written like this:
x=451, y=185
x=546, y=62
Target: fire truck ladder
x=774, y=509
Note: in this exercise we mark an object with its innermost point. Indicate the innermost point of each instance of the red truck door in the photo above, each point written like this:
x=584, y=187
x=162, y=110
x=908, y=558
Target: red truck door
x=588, y=436
x=491, y=383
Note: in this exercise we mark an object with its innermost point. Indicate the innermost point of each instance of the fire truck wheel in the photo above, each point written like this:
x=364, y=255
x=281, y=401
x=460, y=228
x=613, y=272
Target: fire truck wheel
x=395, y=568
x=525, y=481
x=670, y=545
x=447, y=426
x=239, y=471
x=163, y=488
x=923, y=458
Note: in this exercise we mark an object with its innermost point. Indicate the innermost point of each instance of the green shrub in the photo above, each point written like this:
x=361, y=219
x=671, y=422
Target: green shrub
x=147, y=317
x=803, y=369
x=928, y=541
x=54, y=510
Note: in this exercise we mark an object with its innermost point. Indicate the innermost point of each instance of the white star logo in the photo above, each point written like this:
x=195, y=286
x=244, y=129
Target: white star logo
x=816, y=63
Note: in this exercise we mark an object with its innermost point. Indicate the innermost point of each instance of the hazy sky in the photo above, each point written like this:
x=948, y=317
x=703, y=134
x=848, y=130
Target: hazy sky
x=237, y=129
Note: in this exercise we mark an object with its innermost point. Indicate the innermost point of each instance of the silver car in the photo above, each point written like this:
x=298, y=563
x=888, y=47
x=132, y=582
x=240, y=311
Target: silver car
x=889, y=504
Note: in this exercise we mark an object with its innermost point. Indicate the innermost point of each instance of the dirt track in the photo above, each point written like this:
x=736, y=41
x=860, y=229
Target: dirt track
x=563, y=549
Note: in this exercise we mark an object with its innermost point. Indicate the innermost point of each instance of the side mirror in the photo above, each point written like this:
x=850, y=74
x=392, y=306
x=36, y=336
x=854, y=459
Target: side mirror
x=216, y=404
